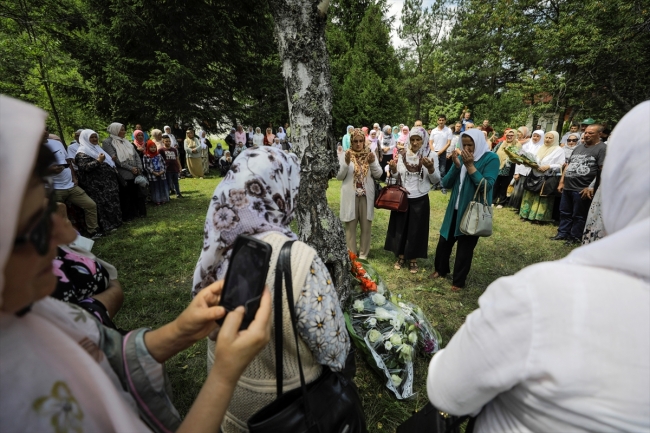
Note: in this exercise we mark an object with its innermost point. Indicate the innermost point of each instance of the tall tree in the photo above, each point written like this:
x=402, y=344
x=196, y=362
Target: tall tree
x=300, y=32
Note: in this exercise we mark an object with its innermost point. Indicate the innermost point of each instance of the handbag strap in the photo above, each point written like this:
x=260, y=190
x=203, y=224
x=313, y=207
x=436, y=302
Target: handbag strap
x=484, y=190
x=283, y=269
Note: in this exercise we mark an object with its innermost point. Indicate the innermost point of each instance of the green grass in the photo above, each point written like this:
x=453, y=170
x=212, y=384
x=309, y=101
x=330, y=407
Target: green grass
x=156, y=256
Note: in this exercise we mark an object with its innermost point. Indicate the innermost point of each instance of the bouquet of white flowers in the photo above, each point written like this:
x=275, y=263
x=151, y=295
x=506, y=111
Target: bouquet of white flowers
x=388, y=331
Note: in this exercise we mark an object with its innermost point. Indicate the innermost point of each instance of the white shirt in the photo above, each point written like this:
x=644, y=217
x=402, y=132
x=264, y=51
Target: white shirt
x=558, y=347
x=440, y=137
x=62, y=180
x=72, y=152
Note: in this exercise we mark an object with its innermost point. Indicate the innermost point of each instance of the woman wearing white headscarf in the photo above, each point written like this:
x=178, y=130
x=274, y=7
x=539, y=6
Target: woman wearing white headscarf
x=565, y=345
x=60, y=369
x=98, y=177
x=387, y=147
x=258, y=138
x=129, y=165
x=550, y=158
x=476, y=164
x=408, y=232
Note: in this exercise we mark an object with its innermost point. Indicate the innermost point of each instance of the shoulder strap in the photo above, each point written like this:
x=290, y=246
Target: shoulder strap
x=283, y=269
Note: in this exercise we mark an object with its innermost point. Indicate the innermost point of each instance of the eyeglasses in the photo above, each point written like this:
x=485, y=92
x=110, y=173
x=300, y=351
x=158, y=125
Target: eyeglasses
x=572, y=139
x=41, y=232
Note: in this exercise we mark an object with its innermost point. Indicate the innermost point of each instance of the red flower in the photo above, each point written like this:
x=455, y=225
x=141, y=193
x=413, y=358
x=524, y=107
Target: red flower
x=353, y=256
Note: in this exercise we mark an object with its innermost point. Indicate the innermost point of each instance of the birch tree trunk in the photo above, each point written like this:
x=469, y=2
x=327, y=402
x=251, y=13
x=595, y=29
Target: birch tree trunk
x=300, y=34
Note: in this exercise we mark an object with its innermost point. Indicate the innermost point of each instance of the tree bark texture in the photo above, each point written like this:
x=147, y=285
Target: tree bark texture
x=300, y=34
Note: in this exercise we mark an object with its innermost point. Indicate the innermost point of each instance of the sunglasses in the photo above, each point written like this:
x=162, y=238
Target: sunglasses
x=572, y=139
x=41, y=232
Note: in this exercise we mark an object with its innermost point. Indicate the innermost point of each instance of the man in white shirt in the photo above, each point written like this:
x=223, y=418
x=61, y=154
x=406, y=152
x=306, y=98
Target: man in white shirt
x=573, y=129
x=65, y=185
x=439, y=142
x=73, y=148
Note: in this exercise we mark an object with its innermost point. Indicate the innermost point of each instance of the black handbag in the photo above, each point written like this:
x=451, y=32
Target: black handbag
x=431, y=420
x=330, y=404
x=549, y=187
x=534, y=183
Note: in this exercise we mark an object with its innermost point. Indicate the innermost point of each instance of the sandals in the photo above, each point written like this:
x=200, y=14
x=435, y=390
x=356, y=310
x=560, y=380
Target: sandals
x=456, y=289
x=413, y=267
x=398, y=264
x=435, y=275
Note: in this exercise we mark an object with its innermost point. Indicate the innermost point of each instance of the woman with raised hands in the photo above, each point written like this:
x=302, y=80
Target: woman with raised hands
x=357, y=169
x=60, y=369
x=408, y=232
x=476, y=166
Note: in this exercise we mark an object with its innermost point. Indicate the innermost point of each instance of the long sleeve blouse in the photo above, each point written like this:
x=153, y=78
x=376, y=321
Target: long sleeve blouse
x=557, y=347
x=149, y=167
x=417, y=183
x=486, y=168
x=348, y=188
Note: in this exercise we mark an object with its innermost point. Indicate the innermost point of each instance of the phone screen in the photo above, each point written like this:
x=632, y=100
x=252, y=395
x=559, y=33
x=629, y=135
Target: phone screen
x=246, y=277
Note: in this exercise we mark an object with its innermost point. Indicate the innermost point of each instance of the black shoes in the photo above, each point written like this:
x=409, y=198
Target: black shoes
x=558, y=238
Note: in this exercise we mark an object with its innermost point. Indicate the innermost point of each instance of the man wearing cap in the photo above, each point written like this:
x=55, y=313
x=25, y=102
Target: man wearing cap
x=583, y=125
x=578, y=184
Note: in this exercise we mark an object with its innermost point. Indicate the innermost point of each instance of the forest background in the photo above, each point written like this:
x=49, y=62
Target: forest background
x=214, y=63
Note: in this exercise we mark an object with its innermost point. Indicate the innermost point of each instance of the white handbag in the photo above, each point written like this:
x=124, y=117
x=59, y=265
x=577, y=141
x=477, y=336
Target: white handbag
x=477, y=219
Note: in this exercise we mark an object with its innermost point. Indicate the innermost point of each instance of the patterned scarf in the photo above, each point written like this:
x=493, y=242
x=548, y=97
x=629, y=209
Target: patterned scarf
x=360, y=160
x=257, y=196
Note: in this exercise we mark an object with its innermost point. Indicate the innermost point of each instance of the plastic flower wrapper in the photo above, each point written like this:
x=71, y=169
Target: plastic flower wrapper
x=380, y=332
x=429, y=340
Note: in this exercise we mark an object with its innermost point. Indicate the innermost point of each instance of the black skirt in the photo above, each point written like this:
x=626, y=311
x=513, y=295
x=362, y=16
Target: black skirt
x=408, y=232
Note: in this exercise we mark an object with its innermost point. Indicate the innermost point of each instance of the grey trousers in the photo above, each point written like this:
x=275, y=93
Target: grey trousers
x=361, y=217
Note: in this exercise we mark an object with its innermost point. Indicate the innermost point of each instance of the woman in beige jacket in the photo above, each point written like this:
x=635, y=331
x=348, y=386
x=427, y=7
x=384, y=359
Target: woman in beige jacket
x=358, y=167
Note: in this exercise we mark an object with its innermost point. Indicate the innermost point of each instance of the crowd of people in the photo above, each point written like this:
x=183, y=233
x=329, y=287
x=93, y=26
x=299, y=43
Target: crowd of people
x=533, y=357
x=560, y=184
x=105, y=185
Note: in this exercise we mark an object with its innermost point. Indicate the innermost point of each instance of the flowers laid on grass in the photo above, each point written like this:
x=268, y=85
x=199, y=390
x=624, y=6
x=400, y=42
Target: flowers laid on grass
x=387, y=331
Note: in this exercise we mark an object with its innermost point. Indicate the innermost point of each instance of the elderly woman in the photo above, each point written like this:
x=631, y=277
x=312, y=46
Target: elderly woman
x=156, y=137
x=550, y=158
x=506, y=169
x=98, y=177
x=408, y=232
x=129, y=165
x=60, y=369
x=258, y=198
x=205, y=152
x=357, y=169
x=571, y=143
x=531, y=358
x=258, y=138
x=194, y=156
x=346, y=138
x=476, y=165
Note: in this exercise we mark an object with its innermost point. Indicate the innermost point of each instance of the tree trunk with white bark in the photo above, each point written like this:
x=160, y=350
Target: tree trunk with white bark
x=300, y=34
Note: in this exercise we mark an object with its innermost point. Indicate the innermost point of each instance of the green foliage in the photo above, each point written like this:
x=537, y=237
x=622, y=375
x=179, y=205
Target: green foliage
x=365, y=77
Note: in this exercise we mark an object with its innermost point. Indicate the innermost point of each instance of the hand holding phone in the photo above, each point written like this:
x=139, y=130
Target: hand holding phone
x=246, y=276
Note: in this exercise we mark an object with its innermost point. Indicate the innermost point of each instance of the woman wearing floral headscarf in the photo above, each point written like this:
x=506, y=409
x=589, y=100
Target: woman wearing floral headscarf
x=98, y=177
x=476, y=165
x=129, y=165
x=258, y=198
x=357, y=168
x=408, y=232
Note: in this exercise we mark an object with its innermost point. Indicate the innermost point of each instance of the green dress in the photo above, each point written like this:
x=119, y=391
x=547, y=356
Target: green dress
x=536, y=208
x=487, y=167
